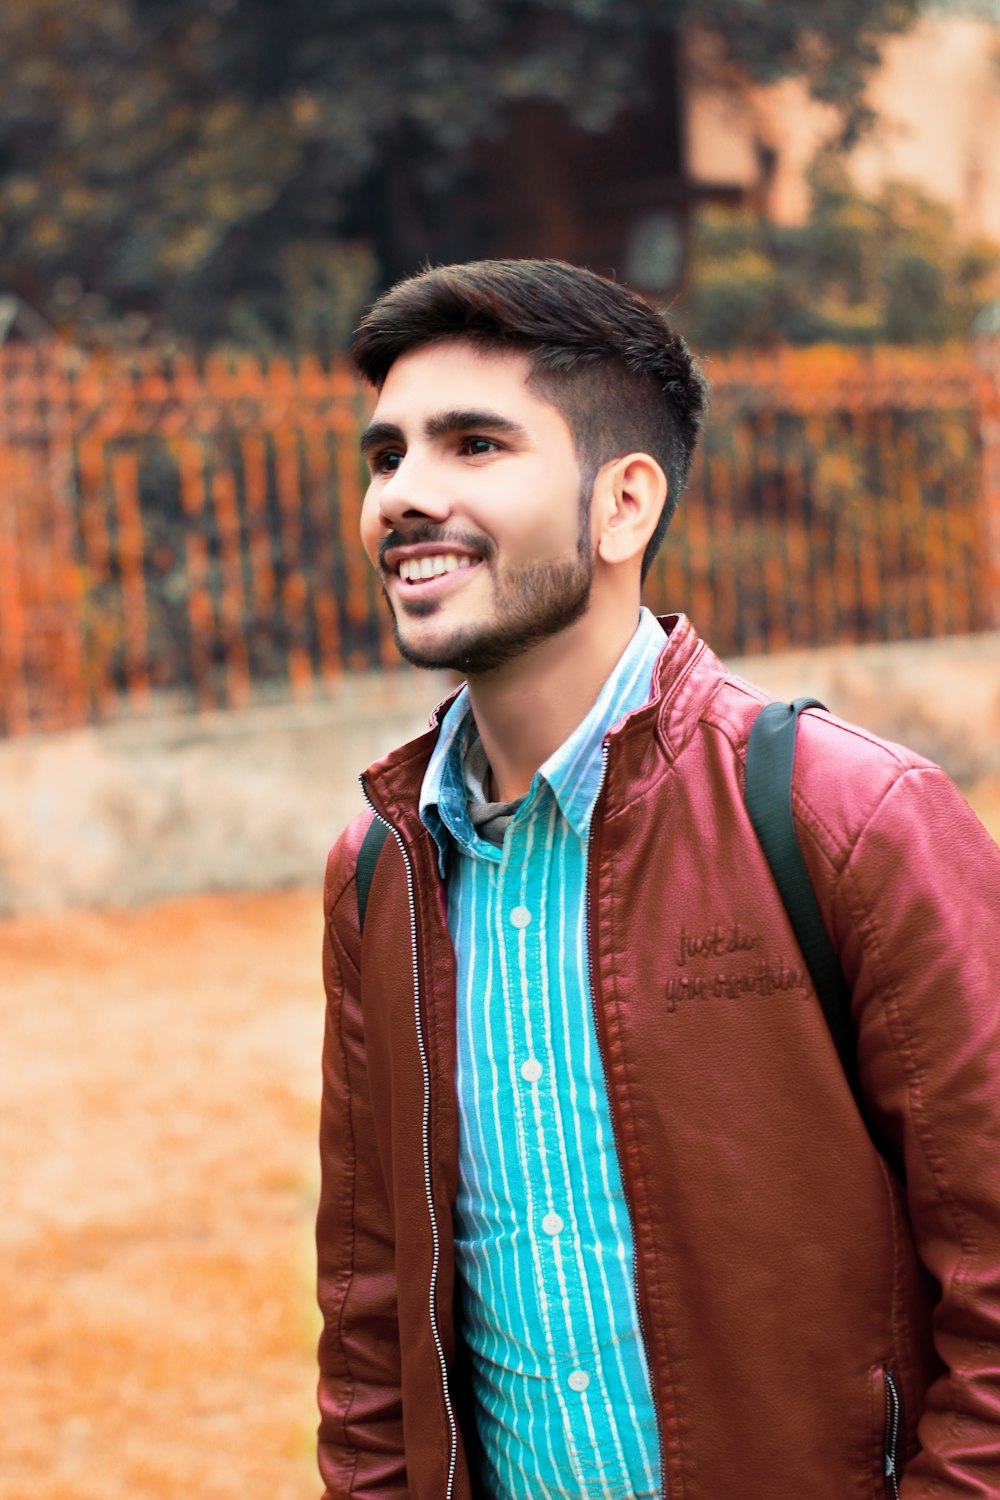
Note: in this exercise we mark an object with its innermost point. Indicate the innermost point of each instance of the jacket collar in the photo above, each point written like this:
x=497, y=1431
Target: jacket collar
x=678, y=696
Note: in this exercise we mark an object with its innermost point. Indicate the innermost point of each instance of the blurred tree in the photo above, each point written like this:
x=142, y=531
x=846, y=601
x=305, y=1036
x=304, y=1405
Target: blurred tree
x=193, y=160
x=890, y=269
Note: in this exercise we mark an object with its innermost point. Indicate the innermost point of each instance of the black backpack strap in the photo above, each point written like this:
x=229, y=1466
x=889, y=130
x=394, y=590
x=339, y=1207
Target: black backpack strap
x=770, y=758
x=364, y=870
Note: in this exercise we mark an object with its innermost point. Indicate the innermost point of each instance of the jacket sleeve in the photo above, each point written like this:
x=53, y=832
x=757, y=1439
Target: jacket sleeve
x=922, y=889
x=360, y=1433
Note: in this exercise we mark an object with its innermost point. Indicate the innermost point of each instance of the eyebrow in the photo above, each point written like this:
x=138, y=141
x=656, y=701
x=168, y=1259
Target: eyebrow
x=460, y=419
x=377, y=433
x=464, y=419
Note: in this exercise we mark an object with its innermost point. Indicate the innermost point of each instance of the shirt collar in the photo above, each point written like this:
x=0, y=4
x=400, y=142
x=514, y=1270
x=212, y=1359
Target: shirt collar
x=573, y=771
x=442, y=793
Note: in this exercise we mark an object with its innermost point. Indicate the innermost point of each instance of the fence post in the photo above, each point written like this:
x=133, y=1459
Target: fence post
x=987, y=356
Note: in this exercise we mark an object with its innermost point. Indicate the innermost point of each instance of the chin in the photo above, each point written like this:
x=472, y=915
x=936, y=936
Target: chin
x=454, y=653
x=472, y=653
x=535, y=602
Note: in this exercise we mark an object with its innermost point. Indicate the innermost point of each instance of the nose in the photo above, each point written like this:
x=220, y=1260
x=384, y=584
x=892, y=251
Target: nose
x=412, y=492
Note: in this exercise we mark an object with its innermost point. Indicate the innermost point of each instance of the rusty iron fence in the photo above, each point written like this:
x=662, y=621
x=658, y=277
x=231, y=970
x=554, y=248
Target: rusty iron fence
x=177, y=536
x=841, y=497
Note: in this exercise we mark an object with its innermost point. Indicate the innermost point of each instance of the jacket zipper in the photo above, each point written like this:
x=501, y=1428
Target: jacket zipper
x=425, y=1131
x=600, y=1049
x=892, y=1415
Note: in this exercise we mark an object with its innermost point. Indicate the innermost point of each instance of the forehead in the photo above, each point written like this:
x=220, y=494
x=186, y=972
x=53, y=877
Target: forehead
x=456, y=373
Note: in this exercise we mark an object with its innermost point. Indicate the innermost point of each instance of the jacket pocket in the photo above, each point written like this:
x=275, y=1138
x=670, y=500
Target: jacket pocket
x=893, y=1444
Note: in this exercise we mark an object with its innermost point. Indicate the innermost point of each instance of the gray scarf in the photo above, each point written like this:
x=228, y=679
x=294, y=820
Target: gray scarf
x=490, y=819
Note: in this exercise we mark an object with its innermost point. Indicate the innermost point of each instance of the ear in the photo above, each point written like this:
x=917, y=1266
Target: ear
x=629, y=496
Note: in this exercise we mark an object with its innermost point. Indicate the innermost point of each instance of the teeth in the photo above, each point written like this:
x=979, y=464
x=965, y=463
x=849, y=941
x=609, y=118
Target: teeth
x=415, y=569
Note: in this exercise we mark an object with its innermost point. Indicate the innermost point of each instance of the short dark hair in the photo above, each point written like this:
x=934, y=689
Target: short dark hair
x=623, y=379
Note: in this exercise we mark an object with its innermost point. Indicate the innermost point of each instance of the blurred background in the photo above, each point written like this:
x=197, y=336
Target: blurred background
x=196, y=203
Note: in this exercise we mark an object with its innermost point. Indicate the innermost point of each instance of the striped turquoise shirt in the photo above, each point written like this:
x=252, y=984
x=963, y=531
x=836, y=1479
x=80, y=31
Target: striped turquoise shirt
x=543, y=1242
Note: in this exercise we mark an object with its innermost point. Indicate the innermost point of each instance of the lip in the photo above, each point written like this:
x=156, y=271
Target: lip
x=430, y=588
x=391, y=559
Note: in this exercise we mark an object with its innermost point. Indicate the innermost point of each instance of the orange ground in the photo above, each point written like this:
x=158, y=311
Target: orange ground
x=158, y=1097
x=157, y=1133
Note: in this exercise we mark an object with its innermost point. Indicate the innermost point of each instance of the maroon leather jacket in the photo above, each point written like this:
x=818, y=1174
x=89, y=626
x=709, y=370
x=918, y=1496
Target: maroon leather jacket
x=810, y=1323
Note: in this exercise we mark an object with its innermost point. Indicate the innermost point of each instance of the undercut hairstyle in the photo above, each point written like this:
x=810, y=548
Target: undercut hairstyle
x=622, y=378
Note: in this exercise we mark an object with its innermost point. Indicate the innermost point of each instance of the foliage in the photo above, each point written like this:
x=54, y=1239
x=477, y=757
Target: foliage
x=184, y=159
x=860, y=271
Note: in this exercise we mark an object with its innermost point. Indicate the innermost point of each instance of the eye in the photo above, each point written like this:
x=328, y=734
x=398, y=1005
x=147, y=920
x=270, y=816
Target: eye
x=478, y=447
x=385, y=461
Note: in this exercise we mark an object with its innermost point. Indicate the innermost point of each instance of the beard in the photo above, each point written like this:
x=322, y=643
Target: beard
x=531, y=602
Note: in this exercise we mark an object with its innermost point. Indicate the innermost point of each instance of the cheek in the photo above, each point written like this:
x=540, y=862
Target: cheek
x=546, y=524
x=371, y=531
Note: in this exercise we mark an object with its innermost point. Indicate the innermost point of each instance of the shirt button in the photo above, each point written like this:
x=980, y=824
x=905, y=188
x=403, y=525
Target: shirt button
x=520, y=916
x=552, y=1224
x=531, y=1070
x=578, y=1380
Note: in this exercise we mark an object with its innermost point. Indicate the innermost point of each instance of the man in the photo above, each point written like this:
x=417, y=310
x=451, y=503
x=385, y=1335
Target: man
x=600, y=1215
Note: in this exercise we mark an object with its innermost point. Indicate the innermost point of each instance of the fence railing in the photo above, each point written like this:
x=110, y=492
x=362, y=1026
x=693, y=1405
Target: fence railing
x=182, y=537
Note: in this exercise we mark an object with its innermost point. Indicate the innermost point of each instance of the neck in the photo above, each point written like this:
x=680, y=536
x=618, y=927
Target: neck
x=526, y=709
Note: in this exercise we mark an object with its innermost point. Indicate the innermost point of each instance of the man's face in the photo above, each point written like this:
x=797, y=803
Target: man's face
x=473, y=517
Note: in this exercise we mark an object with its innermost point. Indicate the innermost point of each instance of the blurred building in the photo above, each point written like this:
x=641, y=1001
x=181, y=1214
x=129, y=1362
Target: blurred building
x=615, y=198
x=21, y=324
x=937, y=99
x=619, y=199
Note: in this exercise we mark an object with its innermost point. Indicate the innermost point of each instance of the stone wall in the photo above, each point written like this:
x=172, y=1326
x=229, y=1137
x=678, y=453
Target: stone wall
x=224, y=801
x=252, y=799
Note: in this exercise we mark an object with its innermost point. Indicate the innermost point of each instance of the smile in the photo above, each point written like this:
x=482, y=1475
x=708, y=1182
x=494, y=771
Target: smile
x=417, y=569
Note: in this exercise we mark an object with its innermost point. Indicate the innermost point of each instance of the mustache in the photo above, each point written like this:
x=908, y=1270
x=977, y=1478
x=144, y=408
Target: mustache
x=439, y=536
